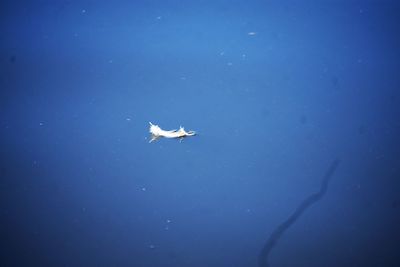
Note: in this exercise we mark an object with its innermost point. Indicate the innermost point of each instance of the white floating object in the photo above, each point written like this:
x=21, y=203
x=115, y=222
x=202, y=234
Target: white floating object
x=156, y=132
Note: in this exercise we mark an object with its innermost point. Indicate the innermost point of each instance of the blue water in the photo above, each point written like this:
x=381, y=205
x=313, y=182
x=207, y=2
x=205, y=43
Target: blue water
x=276, y=90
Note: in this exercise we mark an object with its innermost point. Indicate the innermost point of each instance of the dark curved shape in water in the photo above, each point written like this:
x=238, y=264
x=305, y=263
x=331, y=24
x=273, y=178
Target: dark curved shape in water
x=280, y=230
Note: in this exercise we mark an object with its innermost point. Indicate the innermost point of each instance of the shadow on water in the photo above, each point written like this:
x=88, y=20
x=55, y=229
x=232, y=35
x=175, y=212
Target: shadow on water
x=280, y=230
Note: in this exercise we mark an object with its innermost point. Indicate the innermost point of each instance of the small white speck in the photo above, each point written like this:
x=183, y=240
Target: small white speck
x=83, y=11
x=41, y=123
x=128, y=119
x=222, y=53
x=169, y=221
x=152, y=247
x=251, y=33
x=159, y=17
x=143, y=189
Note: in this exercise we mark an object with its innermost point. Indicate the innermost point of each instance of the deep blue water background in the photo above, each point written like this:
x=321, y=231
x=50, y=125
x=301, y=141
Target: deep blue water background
x=276, y=91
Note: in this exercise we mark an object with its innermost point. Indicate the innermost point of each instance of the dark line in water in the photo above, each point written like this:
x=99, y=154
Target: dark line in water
x=280, y=230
